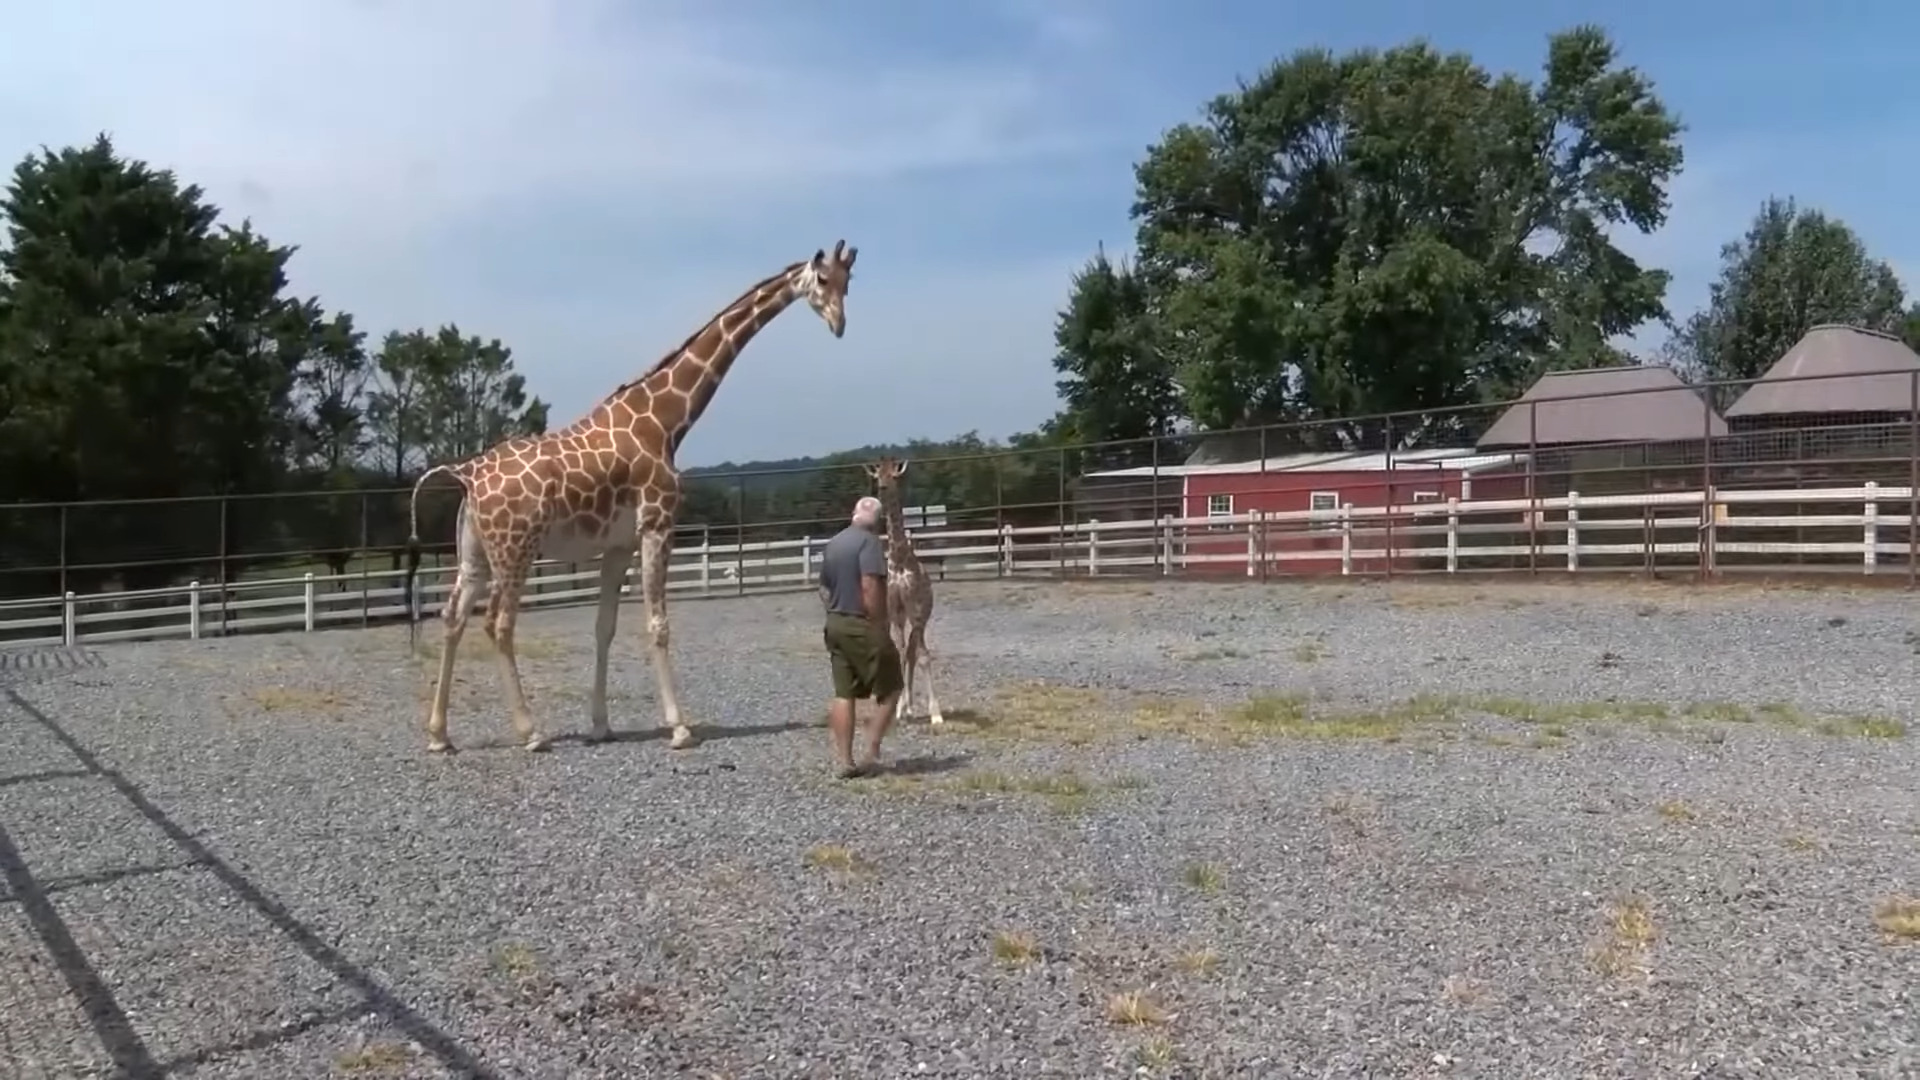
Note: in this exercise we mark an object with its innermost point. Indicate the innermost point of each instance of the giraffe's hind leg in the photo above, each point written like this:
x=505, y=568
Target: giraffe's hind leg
x=472, y=581
x=924, y=658
x=613, y=573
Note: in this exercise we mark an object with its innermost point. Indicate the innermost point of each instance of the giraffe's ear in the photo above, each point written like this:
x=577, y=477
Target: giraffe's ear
x=901, y=468
x=872, y=470
x=847, y=260
x=819, y=256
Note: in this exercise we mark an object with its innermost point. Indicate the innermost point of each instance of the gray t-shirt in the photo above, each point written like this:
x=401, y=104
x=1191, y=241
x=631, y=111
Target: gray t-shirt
x=852, y=552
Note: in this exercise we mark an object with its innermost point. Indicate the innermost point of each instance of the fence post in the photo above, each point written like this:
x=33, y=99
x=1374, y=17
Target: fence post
x=1346, y=538
x=69, y=620
x=1166, y=545
x=1255, y=558
x=806, y=560
x=1006, y=551
x=1093, y=547
x=1453, y=533
x=1870, y=538
x=307, y=596
x=706, y=565
x=1573, y=531
x=193, y=611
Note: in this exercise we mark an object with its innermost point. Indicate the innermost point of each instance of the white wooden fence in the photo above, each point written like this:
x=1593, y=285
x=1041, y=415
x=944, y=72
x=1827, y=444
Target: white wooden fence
x=1574, y=533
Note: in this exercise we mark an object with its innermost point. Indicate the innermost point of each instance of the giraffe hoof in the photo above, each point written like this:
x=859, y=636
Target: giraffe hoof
x=936, y=720
x=599, y=733
x=439, y=746
x=537, y=743
x=682, y=738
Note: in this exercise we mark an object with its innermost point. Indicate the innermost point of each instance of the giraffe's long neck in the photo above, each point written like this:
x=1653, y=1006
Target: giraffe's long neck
x=679, y=388
x=899, y=550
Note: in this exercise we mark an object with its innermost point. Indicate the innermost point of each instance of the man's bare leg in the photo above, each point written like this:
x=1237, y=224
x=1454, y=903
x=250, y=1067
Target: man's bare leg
x=840, y=725
x=877, y=727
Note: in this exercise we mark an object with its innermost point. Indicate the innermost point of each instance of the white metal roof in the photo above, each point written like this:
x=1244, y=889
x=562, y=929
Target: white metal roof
x=1440, y=459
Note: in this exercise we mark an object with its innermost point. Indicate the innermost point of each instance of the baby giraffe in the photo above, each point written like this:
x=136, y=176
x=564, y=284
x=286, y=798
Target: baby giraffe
x=909, y=590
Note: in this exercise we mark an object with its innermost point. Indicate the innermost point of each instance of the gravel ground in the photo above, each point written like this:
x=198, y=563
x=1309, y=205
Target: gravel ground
x=240, y=856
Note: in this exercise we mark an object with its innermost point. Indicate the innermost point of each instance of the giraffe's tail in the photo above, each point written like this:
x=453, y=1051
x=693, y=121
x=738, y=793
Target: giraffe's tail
x=452, y=469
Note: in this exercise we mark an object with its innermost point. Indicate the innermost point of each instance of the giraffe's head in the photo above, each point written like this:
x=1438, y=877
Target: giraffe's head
x=825, y=283
x=887, y=472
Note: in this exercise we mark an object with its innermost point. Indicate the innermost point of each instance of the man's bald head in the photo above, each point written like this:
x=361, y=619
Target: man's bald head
x=866, y=512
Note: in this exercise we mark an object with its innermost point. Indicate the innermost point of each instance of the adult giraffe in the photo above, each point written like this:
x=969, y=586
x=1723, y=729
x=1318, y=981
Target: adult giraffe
x=592, y=489
x=909, y=590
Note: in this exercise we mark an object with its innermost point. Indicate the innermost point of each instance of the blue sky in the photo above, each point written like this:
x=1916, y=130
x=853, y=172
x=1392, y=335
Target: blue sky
x=590, y=180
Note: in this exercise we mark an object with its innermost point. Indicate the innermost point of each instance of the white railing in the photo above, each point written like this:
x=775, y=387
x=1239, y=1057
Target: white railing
x=1574, y=532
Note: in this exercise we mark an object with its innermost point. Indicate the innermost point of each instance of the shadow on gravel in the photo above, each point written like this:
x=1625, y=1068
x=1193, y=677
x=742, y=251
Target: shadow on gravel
x=927, y=765
x=130, y=1054
x=701, y=732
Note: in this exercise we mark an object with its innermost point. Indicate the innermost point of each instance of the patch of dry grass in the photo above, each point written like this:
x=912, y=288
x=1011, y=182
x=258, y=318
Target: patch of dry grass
x=1136, y=1008
x=1899, y=918
x=303, y=699
x=477, y=647
x=375, y=1057
x=1080, y=716
x=1200, y=962
x=1014, y=948
x=1218, y=652
x=1463, y=990
x=1156, y=1055
x=516, y=959
x=1800, y=842
x=1204, y=877
x=1066, y=791
x=1309, y=651
x=1676, y=811
x=836, y=857
x=1625, y=940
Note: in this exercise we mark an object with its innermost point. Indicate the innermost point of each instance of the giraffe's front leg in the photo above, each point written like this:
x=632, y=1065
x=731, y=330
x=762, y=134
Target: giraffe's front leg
x=903, y=706
x=613, y=572
x=655, y=550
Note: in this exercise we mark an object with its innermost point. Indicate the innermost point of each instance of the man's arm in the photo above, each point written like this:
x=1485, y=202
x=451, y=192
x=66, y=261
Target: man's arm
x=873, y=581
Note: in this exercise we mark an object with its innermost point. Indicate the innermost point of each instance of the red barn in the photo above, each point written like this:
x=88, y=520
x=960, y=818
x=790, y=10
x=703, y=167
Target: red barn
x=1316, y=487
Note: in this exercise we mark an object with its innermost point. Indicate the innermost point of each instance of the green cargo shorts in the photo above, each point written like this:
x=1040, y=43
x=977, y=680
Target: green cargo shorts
x=865, y=662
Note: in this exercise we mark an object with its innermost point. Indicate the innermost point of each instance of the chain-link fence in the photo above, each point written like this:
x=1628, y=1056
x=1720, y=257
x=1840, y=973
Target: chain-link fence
x=1586, y=435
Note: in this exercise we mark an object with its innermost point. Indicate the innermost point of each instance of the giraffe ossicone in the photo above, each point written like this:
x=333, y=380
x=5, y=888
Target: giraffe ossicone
x=605, y=487
x=909, y=590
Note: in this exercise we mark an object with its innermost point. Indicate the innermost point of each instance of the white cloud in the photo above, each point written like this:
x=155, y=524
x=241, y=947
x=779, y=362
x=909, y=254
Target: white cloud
x=435, y=159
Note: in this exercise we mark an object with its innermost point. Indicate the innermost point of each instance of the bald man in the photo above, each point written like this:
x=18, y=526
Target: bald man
x=866, y=663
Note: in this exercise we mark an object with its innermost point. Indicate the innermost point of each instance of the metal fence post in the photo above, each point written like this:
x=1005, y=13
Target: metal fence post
x=1389, y=500
x=1913, y=478
x=1533, y=498
x=63, y=549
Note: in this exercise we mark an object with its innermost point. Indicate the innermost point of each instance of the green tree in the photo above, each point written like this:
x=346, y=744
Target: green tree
x=1116, y=383
x=1794, y=269
x=442, y=396
x=1395, y=230
x=145, y=351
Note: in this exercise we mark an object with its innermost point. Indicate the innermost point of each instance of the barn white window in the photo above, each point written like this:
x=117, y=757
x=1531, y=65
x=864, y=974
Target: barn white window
x=1219, y=506
x=1323, y=509
x=1426, y=496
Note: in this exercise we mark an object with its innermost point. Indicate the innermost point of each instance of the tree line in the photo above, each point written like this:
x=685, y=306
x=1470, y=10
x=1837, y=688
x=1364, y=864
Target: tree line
x=1402, y=229
x=1342, y=235
x=149, y=350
